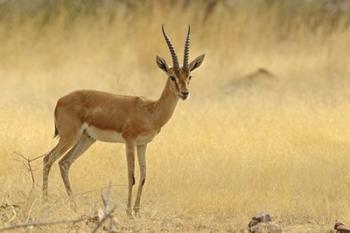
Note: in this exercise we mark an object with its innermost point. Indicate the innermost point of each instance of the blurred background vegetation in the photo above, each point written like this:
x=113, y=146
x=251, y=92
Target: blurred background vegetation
x=311, y=14
x=72, y=38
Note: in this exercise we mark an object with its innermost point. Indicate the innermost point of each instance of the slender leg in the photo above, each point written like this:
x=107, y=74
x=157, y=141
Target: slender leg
x=141, y=155
x=82, y=145
x=49, y=159
x=69, y=132
x=130, y=158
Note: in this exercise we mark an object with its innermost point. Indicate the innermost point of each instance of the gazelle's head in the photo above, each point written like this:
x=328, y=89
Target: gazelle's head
x=180, y=76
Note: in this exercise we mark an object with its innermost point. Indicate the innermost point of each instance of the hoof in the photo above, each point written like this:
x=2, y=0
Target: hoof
x=44, y=198
x=129, y=213
x=137, y=212
x=73, y=205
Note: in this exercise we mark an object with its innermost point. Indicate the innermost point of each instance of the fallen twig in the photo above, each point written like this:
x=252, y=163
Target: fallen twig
x=103, y=214
x=105, y=217
x=38, y=224
x=106, y=213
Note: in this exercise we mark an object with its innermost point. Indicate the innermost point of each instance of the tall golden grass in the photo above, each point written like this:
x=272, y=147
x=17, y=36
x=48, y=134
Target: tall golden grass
x=228, y=152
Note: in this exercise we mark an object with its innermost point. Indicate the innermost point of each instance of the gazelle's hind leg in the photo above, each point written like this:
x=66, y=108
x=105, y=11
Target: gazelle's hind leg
x=84, y=142
x=50, y=158
x=69, y=129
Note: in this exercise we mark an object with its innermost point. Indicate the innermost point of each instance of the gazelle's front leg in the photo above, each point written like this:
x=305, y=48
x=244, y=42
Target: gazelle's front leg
x=130, y=158
x=141, y=154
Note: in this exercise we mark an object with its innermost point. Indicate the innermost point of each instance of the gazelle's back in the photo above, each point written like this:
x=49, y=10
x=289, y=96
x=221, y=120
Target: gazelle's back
x=92, y=99
x=102, y=110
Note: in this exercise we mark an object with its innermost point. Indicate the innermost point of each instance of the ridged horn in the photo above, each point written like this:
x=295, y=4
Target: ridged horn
x=187, y=48
x=172, y=50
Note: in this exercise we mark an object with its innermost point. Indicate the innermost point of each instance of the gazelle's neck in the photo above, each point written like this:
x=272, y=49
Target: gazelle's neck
x=165, y=105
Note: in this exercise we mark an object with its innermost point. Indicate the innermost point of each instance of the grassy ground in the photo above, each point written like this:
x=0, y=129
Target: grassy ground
x=230, y=151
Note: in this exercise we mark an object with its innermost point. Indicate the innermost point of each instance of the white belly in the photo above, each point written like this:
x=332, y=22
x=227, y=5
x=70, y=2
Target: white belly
x=113, y=136
x=104, y=135
x=141, y=140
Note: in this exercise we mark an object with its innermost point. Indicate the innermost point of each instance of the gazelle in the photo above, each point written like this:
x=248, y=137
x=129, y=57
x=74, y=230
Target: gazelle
x=84, y=116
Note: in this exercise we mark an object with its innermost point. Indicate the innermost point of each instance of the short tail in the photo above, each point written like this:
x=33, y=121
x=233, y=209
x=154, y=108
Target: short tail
x=56, y=132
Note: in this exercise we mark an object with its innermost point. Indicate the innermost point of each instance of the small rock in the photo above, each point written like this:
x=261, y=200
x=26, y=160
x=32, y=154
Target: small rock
x=341, y=228
x=268, y=227
x=258, y=218
x=262, y=223
x=262, y=217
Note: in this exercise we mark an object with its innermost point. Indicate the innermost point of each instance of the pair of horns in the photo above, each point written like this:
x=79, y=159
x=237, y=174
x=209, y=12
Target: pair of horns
x=172, y=50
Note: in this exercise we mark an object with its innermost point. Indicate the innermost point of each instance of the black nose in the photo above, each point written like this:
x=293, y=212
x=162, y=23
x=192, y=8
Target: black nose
x=185, y=93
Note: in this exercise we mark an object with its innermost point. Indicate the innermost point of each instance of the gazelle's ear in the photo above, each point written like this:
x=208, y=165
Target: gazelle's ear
x=162, y=64
x=196, y=62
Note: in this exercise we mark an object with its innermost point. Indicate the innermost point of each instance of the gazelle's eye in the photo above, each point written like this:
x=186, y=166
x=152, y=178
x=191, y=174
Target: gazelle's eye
x=172, y=78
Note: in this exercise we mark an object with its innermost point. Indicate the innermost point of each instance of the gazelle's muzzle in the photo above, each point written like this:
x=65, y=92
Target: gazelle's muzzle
x=184, y=94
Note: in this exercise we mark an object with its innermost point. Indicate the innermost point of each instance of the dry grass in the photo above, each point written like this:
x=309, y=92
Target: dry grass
x=228, y=152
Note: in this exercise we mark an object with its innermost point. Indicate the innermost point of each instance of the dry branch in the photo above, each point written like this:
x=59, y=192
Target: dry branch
x=39, y=224
x=28, y=164
x=105, y=217
x=106, y=212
